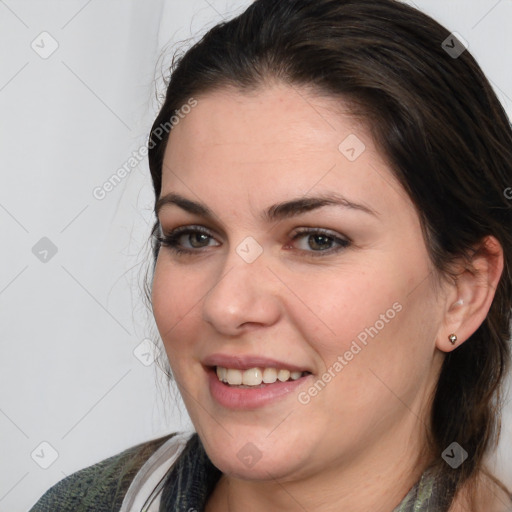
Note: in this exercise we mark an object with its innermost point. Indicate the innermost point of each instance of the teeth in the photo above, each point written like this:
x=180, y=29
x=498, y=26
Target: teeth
x=234, y=377
x=252, y=377
x=269, y=375
x=255, y=376
x=221, y=373
x=283, y=375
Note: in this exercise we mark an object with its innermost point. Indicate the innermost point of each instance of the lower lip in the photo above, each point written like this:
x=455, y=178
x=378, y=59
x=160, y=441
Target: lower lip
x=247, y=398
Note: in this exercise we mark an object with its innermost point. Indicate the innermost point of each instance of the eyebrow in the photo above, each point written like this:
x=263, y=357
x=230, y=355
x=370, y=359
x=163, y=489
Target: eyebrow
x=275, y=212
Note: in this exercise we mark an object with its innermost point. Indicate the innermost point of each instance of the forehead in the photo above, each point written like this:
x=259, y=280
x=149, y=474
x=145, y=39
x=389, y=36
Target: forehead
x=276, y=116
x=275, y=142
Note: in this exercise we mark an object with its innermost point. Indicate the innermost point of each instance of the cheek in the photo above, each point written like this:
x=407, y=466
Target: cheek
x=370, y=319
x=376, y=359
x=338, y=306
x=176, y=297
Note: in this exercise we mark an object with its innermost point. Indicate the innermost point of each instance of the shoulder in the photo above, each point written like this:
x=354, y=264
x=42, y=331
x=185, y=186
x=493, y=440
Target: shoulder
x=102, y=486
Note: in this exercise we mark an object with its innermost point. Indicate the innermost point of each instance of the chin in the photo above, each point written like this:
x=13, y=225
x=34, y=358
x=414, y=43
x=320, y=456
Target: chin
x=263, y=469
x=261, y=459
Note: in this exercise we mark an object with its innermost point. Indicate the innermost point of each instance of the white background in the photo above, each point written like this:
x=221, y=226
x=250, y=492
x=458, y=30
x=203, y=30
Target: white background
x=68, y=374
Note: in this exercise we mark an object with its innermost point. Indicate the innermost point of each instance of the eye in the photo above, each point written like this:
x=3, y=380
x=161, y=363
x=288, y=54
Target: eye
x=319, y=241
x=194, y=239
x=187, y=239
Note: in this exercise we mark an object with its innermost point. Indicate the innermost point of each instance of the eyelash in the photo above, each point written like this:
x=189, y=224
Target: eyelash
x=170, y=241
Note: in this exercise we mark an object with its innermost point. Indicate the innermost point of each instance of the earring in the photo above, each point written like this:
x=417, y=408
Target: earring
x=452, y=338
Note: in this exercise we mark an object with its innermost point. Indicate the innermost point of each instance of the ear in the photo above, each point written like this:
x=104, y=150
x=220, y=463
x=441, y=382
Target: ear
x=469, y=299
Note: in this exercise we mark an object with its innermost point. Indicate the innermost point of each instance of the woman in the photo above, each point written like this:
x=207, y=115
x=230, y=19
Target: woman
x=331, y=279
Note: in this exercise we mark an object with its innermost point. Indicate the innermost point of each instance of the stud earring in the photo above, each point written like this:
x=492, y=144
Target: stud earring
x=452, y=338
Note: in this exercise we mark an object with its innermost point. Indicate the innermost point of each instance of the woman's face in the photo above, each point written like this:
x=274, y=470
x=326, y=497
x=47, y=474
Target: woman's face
x=303, y=254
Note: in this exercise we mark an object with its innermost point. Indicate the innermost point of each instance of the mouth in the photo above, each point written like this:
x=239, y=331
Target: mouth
x=253, y=388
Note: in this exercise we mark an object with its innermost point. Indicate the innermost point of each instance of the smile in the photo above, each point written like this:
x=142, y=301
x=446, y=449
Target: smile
x=267, y=385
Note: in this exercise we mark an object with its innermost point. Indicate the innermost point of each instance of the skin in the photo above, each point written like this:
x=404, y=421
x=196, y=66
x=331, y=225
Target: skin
x=359, y=444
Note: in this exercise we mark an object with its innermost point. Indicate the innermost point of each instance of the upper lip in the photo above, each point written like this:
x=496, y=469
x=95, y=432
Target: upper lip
x=245, y=362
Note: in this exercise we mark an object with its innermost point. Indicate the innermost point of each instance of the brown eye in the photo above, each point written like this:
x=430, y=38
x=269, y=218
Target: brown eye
x=195, y=239
x=188, y=239
x=319, y=241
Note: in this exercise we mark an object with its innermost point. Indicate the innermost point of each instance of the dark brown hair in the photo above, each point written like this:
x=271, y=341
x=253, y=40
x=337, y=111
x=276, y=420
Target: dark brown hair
x=445, y=135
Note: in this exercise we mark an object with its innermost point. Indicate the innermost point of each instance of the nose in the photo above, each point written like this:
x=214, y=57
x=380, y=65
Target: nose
x=244, y=297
